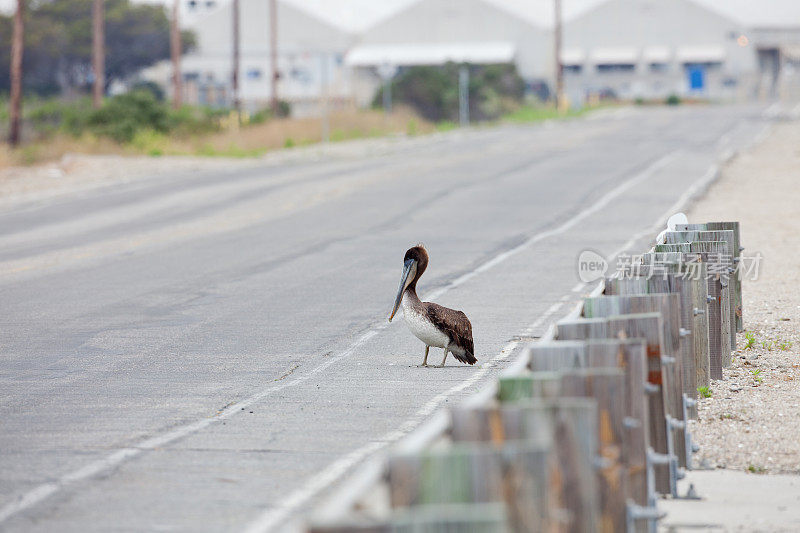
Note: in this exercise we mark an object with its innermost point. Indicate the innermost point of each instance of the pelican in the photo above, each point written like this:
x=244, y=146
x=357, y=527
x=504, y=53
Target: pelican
x=431, y=323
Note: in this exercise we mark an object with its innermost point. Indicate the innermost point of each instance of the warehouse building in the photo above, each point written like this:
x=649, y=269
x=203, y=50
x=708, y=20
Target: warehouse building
x=654, y=48
x=310, y=57
x=434, y=32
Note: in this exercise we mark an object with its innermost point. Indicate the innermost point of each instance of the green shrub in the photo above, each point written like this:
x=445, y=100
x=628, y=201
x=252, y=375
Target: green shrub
x=48, y=116
x=121, y=117
x=152, y=87
x=265, y=114
x=673, y=99
x=433, y=91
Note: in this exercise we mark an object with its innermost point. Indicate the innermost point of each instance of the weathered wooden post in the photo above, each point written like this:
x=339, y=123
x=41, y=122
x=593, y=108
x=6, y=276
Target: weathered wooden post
x=518, y=474
x=607, y=387
x=661, y=389
x=668, y=305
x=711, y=253
x=727, y=236
x=736, y=249
x=689, y=269
x=611, y=474
x=629, y=355
x=693, y=292
x=568, y=426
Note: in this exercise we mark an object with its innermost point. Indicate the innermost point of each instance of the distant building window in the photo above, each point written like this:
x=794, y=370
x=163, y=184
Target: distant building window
x=254, y=74
x=705, y=65
x=301, y=75
x=659, y=67
x=573, y=69
x=616, y=67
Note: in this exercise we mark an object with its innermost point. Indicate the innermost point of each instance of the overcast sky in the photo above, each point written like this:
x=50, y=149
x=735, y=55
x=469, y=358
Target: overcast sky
x=356, y=15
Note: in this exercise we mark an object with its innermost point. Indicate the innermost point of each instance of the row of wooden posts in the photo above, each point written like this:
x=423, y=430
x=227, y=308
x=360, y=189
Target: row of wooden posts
x=589, y=428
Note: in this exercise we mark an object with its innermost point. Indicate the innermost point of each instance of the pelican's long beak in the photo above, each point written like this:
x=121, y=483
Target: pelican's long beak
x=409, y=272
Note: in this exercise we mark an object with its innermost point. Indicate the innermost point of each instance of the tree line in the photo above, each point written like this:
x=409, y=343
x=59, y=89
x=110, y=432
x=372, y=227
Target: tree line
x=58, y=44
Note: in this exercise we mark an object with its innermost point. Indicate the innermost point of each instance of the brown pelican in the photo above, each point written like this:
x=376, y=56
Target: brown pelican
x=433, y=324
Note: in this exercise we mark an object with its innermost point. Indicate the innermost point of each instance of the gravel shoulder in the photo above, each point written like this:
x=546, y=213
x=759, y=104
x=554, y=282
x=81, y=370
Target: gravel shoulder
x=749, y=428
x=751, y=422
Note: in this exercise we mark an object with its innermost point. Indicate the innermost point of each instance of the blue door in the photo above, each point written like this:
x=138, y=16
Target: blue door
x=697, y=78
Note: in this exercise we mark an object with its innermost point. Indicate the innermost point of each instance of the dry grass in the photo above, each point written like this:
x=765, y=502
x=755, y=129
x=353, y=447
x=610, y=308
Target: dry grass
x=247, y=141
x=55, y=147
x=282, y=133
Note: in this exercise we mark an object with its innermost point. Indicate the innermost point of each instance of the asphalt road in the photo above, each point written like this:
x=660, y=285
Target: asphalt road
x=209, y=352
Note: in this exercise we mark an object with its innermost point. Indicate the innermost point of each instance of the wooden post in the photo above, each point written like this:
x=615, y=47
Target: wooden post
x=668, y=306
x=692, y=291
x=646, y=326
x=719, y=307
x=736, y=249
x=273, y=56
x=628, y=355
x=607, y=387
x=727, y=236
x=17, y=48
x=175, y=51
x=568, y=426
x=481, y=518
x=707, y=324
x=518, y=474
x=98, y=54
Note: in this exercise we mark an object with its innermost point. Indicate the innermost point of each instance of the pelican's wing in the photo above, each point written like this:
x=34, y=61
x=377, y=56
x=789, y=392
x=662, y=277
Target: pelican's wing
x=457, y=326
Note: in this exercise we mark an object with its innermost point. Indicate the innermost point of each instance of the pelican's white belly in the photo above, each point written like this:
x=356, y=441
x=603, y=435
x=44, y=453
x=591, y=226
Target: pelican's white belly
x=423, y=328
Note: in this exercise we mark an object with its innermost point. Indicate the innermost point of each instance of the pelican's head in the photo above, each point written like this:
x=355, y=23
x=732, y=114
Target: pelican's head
x=414, y=264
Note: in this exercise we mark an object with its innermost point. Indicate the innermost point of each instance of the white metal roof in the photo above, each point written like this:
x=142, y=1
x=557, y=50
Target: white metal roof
x=430, y=54
x=657, y=54
x=701, y=54
x=616, y=55
x=791, y=51
x=573, y=56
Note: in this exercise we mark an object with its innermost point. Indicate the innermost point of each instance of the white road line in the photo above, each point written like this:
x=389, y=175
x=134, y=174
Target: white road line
x=42, y=492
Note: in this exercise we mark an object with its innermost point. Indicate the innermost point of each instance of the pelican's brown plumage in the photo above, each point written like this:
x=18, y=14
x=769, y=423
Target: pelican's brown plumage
x=432, y=323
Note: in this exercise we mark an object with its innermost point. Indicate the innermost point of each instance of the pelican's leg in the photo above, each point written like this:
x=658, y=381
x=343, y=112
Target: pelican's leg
x=425, y=361
x=444, y=359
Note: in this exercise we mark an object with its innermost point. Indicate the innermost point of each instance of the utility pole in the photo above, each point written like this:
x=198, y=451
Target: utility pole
x=15, y=104
x=559, y=85
x=98, y=53
x=273, y=55
x=463, y=96
x=387, y=71
x=235, y=77
x=175, y=49
x=326, y=119
x=387, y=95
